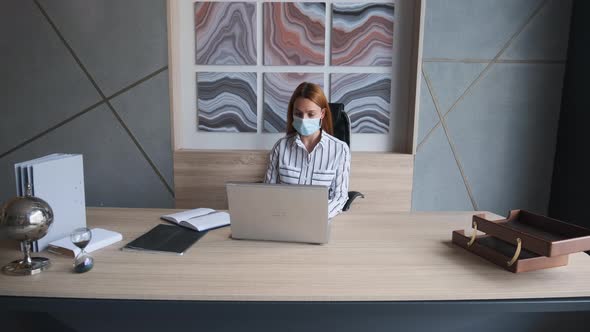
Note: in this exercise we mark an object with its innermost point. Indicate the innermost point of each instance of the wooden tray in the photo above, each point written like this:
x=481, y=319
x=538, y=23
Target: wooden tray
x=539, y=234
x=502, y=253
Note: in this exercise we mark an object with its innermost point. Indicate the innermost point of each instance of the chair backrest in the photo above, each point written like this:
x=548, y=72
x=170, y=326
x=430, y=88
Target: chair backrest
x=341, y=122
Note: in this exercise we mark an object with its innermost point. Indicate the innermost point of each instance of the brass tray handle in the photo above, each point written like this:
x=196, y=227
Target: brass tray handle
x=516, y=253
x=470, y=243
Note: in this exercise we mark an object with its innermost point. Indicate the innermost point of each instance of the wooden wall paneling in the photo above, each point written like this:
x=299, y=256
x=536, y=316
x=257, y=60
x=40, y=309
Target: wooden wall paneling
x=200, y=177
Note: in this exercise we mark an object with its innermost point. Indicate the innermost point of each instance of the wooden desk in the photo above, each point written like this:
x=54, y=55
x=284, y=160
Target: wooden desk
x=388, y=258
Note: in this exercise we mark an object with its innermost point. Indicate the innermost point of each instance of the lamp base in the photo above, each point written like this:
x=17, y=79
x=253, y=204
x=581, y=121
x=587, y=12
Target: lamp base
x=22, y=268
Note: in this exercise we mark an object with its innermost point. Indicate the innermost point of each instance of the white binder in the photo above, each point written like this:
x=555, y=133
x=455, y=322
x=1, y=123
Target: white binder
x=59, y=180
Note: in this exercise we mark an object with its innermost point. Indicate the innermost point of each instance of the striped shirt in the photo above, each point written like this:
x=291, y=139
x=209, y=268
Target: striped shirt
x=327, y=165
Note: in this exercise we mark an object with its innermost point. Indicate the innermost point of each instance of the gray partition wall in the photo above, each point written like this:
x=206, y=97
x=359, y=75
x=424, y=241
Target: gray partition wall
x=89, y=77
x=492, y=78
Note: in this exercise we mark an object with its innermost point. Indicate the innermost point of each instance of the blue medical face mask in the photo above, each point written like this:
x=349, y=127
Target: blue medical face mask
x=306, y=127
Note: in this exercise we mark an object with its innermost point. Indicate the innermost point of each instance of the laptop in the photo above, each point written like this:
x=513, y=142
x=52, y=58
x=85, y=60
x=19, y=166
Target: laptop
x=278, y=212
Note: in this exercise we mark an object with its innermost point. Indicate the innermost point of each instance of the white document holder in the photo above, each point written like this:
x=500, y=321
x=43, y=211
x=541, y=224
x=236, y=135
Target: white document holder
x=58, y=179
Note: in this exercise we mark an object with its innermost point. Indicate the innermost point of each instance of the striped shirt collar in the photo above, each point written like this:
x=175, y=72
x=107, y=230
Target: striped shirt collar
x=296, y=139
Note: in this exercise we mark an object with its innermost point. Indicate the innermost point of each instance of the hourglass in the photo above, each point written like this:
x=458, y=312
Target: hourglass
x=83, y=261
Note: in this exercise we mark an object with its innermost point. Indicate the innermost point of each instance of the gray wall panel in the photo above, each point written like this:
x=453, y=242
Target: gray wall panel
x=505, y=133
x=546, y=37
x=438, y=184
x=467, y=29
x=450, y=80
x=428, y=116
x=490, y=60
x=118, y=41
x=115, y=172
x=41, y=84
x=145, y=111
x=51, y=53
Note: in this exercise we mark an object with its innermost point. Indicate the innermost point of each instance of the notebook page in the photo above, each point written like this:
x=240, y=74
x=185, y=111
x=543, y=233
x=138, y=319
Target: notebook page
x=186, y=215
x=209, y=221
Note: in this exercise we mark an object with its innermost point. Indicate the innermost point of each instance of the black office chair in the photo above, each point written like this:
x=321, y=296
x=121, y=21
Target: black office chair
x=341, y=123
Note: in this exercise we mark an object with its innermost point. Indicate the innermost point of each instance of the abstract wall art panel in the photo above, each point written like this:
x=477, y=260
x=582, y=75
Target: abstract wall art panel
x=294, y=33
x=225, y=33
x=278, y=88
x=226, y=102
x=366, y=99
x=362, y=34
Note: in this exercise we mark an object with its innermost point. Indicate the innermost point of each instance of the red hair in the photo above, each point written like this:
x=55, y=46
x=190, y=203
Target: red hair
x=314, y=93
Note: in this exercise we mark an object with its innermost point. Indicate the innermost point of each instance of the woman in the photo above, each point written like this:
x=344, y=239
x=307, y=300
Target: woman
x=309, y=154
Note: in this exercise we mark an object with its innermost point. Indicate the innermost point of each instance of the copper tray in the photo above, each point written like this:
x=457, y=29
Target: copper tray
x=524, y=241
x=502, y=253
x=542, y=235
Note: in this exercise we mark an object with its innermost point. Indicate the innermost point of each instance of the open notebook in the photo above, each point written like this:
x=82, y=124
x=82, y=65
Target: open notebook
x=200, y=219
